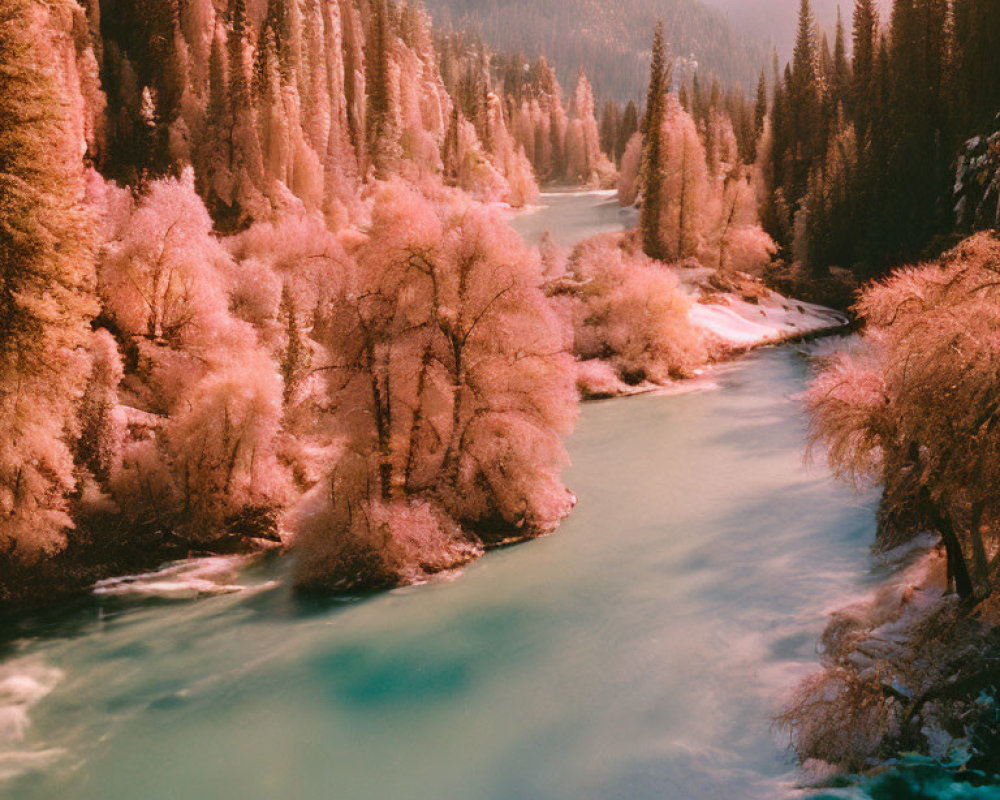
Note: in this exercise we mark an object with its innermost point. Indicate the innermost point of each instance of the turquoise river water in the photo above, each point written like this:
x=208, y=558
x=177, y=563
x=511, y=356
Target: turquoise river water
x=638, y=653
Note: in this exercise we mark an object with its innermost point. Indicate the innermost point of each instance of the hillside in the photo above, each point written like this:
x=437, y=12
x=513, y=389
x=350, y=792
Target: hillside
x=609, y=41
x=775, y=20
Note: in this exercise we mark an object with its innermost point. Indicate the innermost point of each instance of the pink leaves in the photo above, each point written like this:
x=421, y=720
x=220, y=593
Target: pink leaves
x=452, y=384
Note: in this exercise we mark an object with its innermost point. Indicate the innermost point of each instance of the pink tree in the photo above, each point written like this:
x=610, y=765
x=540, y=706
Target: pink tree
x=685, y=187
x=475, y=429
x=628, y=179
x=214, y=393
x=46, y=271
x=915, y=407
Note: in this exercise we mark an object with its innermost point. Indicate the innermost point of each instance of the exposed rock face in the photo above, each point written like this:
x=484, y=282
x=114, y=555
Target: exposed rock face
x=977, y=181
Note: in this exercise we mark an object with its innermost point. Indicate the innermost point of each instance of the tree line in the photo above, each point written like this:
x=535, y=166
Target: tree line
x=860, y=154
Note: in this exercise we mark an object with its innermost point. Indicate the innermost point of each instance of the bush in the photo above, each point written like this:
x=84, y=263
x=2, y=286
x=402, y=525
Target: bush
x=631, y=312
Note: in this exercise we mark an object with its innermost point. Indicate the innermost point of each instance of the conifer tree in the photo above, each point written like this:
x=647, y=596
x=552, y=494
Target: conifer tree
x=919, y=166
x=863, y=83
x=609, y=128
x=46, y=281
x=240, y=143
x=450, y=154
x=803, y=104
x=977, y=62
x=650, y=178
x=840, y=78
x=353, y=93
x=380, y=132
x=629, y=125
x=760, y=106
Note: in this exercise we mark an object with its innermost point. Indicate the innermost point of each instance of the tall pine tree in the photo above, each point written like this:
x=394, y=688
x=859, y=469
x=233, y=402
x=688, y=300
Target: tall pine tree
x=46, y=280
x=652, y=151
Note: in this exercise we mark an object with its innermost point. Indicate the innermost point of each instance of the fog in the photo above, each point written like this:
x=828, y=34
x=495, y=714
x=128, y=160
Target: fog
x=775, y=20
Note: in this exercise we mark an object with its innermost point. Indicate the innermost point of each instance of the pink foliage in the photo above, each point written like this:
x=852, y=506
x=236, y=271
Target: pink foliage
x=749, y=249
x=160, y=274
x=347, y=541
x=628, y=178
x=597, y=379
x=914, y=407
x=631, y=312
x=46, y=270
x=166, y=282
x=450, y=372
x=685, y=192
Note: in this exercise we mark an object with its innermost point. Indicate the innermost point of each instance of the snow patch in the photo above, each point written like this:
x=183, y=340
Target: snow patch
x=738, y=323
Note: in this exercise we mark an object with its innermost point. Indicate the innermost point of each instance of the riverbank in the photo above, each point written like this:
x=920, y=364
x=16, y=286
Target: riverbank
x=735, y=314
x=908, y=680
x=639, y=653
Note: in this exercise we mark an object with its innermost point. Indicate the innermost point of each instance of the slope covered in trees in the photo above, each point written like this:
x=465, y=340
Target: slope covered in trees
x=167, y=384
x=255, y=290
x=610, y=41
x=860, y=161
x=290, y=104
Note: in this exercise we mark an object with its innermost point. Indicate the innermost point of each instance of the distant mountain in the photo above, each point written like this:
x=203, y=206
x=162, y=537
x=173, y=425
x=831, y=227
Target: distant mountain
x=777, y=20
x=610, y=39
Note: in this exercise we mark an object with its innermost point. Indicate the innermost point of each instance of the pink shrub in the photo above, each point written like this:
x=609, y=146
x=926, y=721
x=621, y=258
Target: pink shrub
x=748, y=249
x=628, y=177
x=376, y=545
x=348, y=540
x=597, y=379
x=632, y=313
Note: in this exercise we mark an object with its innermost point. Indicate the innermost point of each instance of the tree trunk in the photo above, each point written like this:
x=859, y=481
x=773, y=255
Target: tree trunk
x=417, y=423
x=952, y=545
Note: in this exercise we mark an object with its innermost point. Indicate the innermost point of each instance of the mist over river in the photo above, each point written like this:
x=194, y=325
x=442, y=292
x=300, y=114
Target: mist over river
x=638, y=653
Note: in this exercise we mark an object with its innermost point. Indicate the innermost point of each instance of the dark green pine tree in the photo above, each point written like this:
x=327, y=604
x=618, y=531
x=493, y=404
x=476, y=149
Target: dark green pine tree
x=976, y=63
x=863, y=79
x=649, y=173
x=804, y=118
x=169, y=76
x=839, y=80
x=760, y=106
x=629, y=125
x=918, y=174
x=610, y=123
x=776, y=215
x=875, y=198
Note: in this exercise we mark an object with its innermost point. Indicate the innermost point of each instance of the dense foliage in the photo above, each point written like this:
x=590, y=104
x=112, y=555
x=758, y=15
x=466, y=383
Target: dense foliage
x=916, y=407
x=46, y=274
x=255, y=289
x=860, y=157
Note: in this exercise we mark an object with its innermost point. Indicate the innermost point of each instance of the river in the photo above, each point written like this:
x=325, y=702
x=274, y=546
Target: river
x=639, y=652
